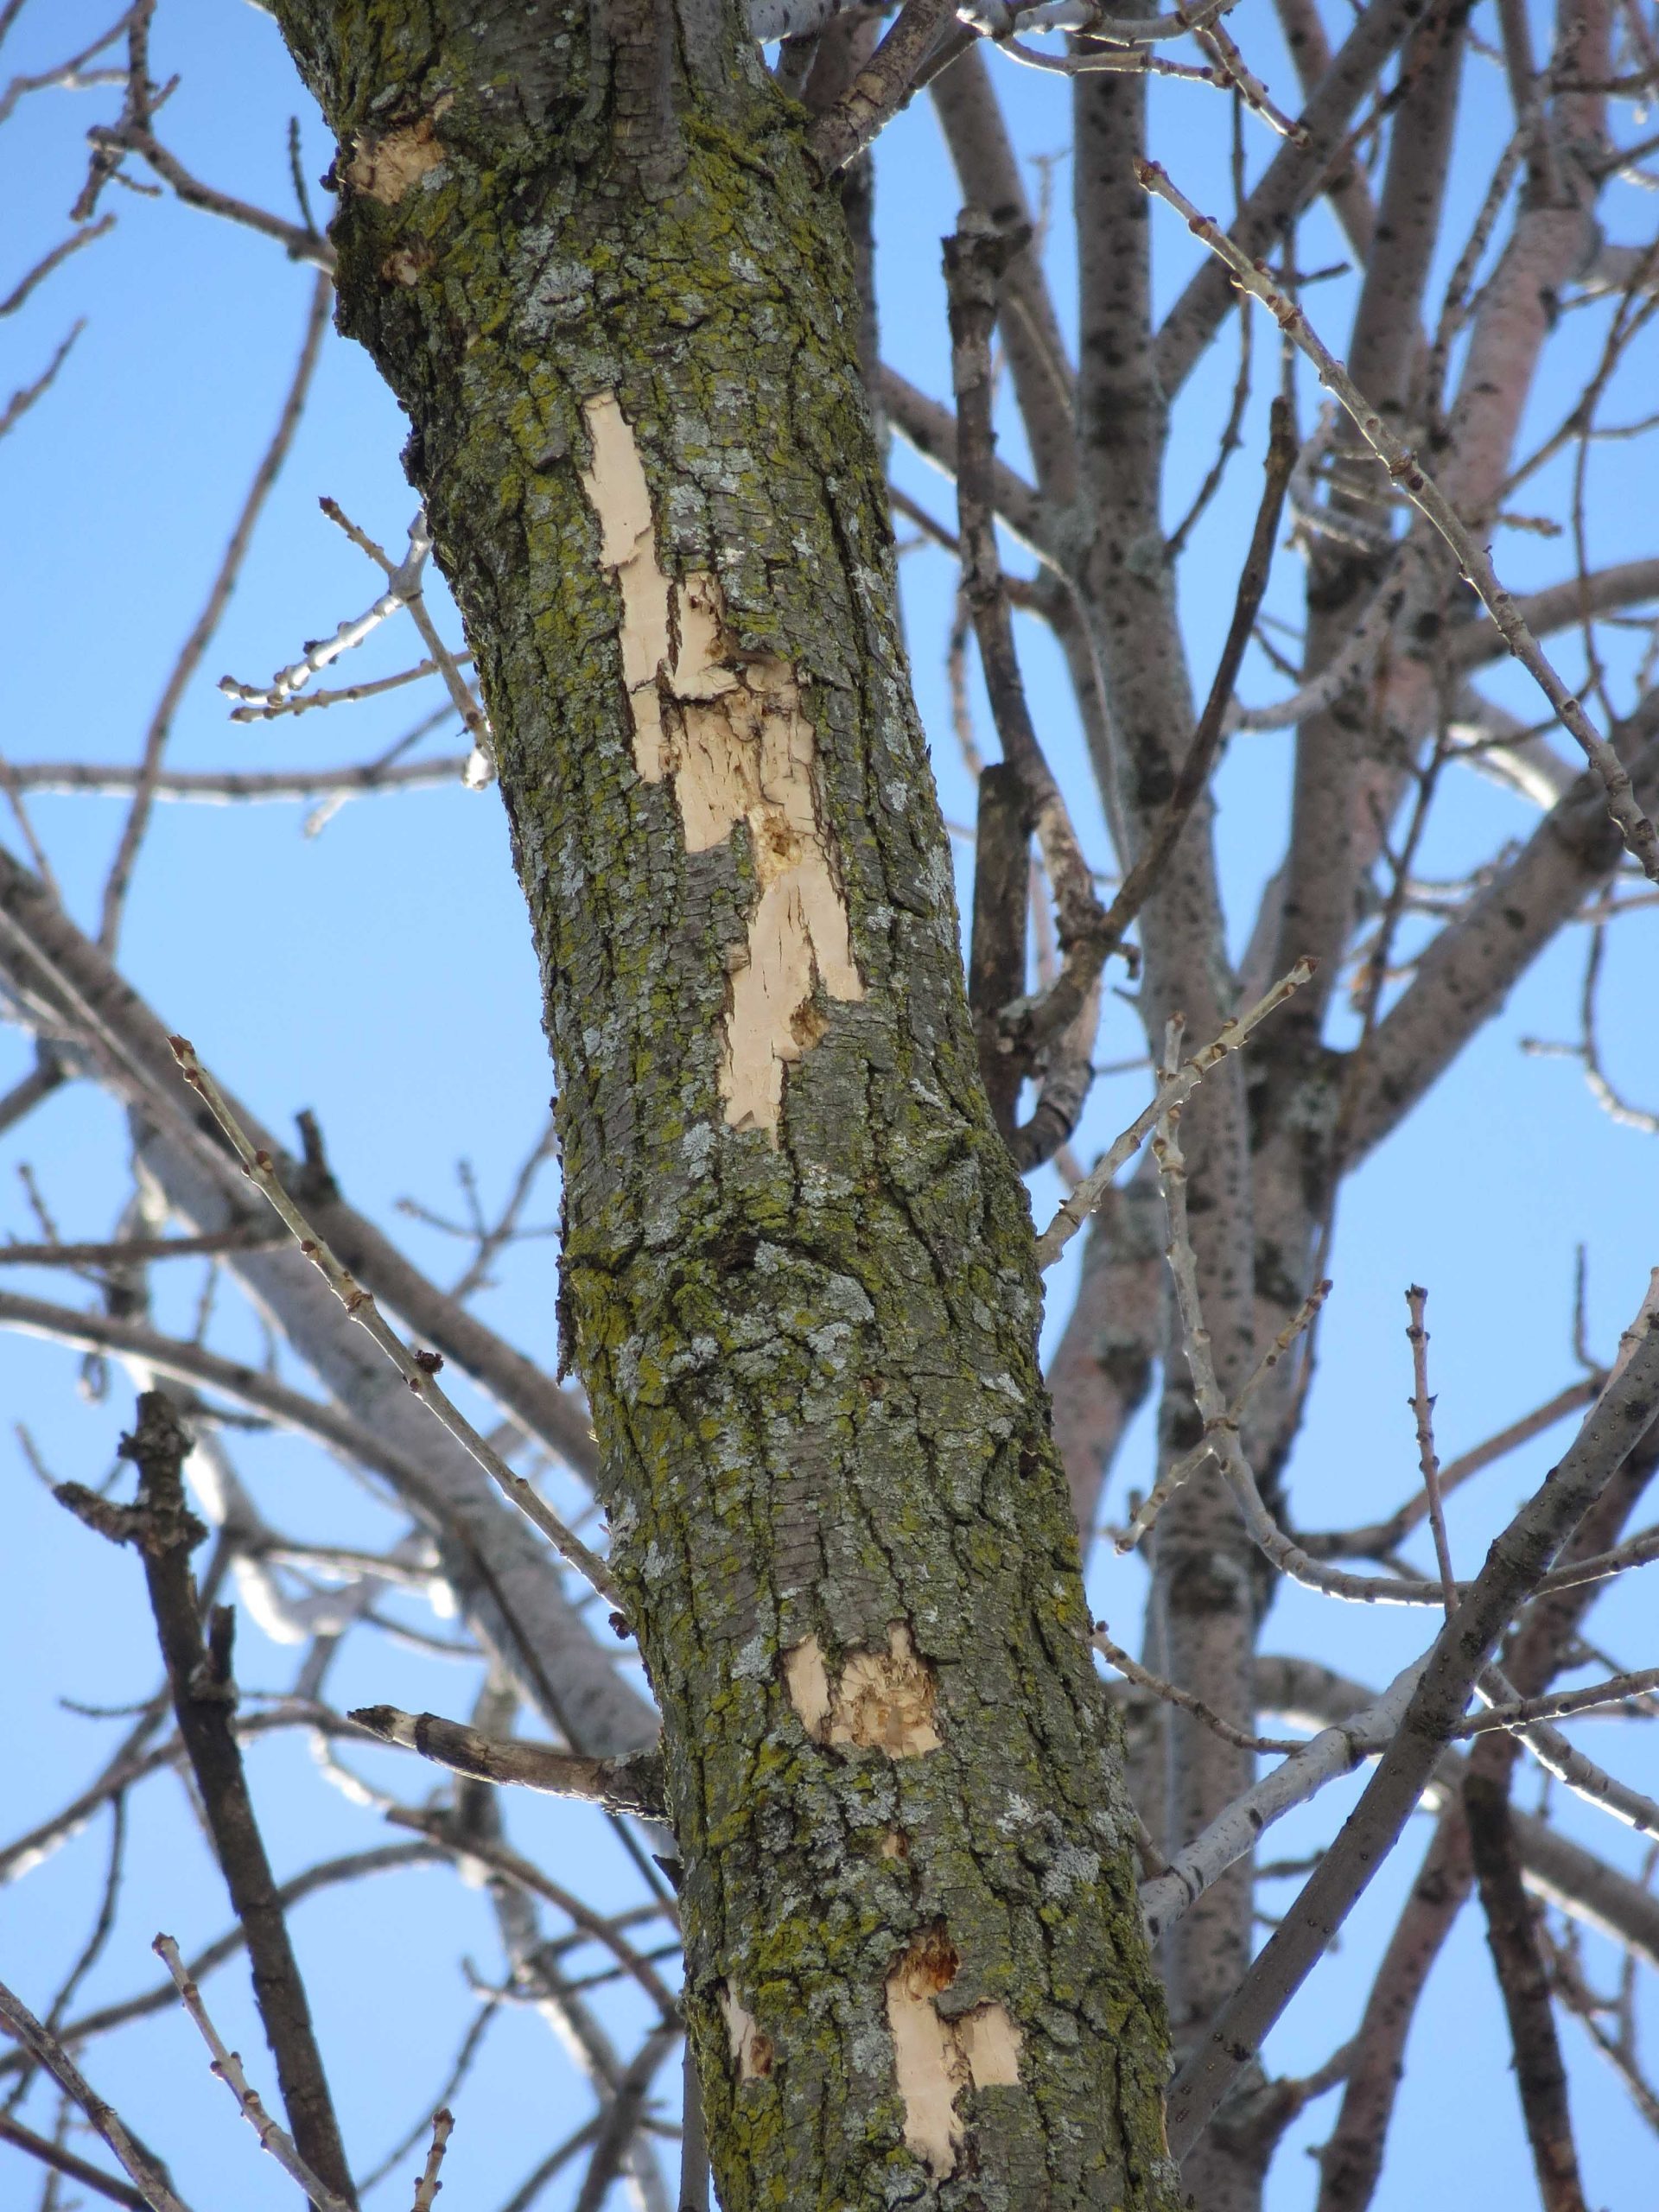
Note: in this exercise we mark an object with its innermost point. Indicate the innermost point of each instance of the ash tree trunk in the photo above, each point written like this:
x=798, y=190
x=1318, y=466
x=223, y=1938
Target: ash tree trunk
x=589, y=251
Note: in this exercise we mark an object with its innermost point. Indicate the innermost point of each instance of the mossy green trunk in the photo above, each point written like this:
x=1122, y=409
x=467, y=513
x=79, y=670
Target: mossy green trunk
x=588, y=251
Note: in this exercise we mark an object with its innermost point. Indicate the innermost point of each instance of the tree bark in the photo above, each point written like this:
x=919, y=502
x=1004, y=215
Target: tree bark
x=589, y=252
x=1208, y=1582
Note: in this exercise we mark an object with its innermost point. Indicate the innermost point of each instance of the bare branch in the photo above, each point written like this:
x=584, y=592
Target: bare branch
x=1101, y=1370
x=930, y=429
x=1171, y=1694
x=1422, y=1407
x=973, y=259
x=622, y=2120
x=1291, y=178
x=26, y=395
x=65, y=2162
x=1382, y=1537
x=1583, y=1885
x=238, y=786
x=1332, y=1753
x=426, y=2190
x=420, y=1373
x=1638, y=832
x=1179, y=1470
x=1620, y=1689
x=1563, y=1759
x=989, y=173
x=1463, y=976
x=60, y=254
x=1172, y=1092
x=1193, y=774
x=1510, y=1929
x=135, y=1251
x=133, y=134
x=1513, y=1566
x=192, y=1364
x=350, y=1866
x=499, y=1859
x=881, y=87
x=42, y=1079
x=148, y=2175
x=632, y=1783
x=199, y=1674
x=228, y=2066
x=1605, y=591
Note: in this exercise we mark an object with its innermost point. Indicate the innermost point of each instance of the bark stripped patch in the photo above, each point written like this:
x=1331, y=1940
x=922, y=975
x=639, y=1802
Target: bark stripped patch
x=383, y=167
x=728, y=728
x=751, y=2046
x=934, y=2059
x=881, y=1699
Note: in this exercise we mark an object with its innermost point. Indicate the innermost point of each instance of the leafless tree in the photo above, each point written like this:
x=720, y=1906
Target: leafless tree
x=945, y=1895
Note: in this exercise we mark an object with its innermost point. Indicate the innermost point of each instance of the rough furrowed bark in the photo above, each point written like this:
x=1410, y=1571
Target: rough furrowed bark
x=588, y=253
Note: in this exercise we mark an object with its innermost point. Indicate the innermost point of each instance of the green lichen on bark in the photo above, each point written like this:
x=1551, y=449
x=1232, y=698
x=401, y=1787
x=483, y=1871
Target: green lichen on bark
x=811, y=1358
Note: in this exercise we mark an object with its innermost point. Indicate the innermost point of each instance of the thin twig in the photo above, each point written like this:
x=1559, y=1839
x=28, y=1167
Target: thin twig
x=199, y=1676
x=65, y=2162
x=1640, y=837
x=1513, y=1567
x=1182, y=1469
x=133, y=134
x=1275, y=1545
x=1581, y=1775
x=218, y=596
x=426, y=2190
x=237, y=786
x=260, y=708
x=440, y=1827
x=138, y=1252
x=44, y=267
x=418, y=1372
x=227, y=2065
x=148, y=2175
x=26, y=395
x=1619, y=1689
x=1074, y=1211
x=1193, y=774
x=534, y=2182
x=351, y=1866
x=1381, y=1537
x=289, y=1409
x=1172, y=1693
x=1422, y=1407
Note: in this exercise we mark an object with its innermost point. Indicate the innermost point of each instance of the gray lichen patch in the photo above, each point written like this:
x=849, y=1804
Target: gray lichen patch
x=730, y=730
x=882, y=1699
x=935, y=2059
